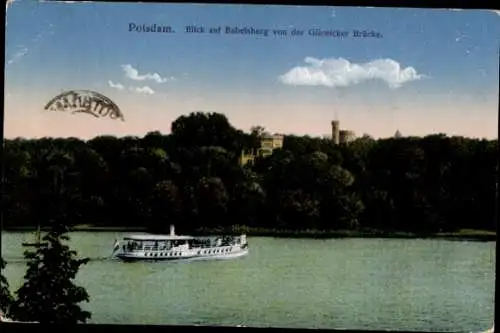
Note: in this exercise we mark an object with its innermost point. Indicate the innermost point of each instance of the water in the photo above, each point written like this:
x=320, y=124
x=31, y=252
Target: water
x=360, y=284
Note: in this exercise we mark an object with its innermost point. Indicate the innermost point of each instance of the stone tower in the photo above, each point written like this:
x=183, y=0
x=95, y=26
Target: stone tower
x=336, y=132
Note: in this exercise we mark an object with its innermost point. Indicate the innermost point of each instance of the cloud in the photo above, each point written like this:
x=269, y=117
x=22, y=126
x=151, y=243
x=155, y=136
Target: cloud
x=133, y=74
x=117, y=86
x=18, y=55
x=339, y=72
x=142, y=90
x=23, y=49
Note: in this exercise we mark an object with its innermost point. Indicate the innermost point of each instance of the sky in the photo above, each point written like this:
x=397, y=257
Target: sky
x=421, y=71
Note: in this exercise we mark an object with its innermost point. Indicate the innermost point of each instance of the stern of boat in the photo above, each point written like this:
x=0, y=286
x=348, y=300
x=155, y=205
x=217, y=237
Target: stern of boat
x=243, y=241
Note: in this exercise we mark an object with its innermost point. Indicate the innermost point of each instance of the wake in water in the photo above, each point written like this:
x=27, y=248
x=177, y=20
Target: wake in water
x=19, y=260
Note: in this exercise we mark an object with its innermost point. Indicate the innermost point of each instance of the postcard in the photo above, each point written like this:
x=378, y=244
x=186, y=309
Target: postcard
x=250, y=165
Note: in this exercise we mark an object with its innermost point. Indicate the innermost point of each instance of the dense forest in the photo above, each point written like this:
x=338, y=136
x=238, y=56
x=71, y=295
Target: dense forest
x=193, y=178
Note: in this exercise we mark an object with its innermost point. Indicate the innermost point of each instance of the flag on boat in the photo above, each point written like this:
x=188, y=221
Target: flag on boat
x=116, y=247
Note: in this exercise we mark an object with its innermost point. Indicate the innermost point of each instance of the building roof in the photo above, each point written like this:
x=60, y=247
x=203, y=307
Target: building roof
x=157, y=237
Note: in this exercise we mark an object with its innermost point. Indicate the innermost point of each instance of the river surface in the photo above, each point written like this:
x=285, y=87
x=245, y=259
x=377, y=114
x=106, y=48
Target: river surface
x=361, y=284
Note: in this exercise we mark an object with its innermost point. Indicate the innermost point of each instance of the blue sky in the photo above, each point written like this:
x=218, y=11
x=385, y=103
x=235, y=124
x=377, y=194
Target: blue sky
x=432, y=71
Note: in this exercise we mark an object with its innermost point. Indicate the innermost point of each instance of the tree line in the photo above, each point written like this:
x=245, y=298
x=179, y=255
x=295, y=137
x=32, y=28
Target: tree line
x=193, y=178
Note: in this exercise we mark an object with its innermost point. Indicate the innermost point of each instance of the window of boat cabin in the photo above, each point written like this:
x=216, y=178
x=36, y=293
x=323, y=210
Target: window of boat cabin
x=139, y=245
x=162, y=245
x=133, y=245
x=201, y=242
x=149, y=245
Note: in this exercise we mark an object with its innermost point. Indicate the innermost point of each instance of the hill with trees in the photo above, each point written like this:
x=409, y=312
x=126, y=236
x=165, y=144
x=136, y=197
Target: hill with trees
x=193, y=178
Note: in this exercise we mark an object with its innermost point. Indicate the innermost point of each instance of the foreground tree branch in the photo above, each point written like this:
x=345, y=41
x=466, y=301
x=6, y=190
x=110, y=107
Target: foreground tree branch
x=49, y=294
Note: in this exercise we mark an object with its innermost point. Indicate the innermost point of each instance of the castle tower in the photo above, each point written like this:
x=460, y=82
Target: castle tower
x=336, y=132
x=346, y=136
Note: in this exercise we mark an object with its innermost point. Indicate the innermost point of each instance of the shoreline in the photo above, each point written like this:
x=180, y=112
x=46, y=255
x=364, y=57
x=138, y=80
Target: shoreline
x=461, y=235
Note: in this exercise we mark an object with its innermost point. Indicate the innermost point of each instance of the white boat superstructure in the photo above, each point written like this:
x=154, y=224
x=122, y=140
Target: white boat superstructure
x=179, y=247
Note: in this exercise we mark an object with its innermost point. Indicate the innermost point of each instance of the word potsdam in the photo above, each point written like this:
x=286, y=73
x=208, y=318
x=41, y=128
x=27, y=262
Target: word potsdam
x=150, y=28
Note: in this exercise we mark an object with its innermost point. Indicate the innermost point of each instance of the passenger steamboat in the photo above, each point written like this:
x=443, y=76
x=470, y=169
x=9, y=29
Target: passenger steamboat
x=179, y=247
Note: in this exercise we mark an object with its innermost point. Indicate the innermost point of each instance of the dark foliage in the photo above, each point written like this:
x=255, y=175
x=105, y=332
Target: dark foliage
x=193, y=178
x=48, y=294
x=5, y=295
